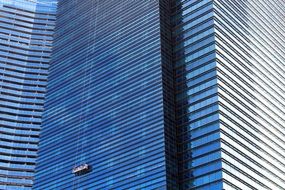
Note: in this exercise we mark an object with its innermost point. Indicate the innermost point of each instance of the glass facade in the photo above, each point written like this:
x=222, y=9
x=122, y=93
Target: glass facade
x=106, y=107
x=197, y=100
x=229, y=70
x=26, y=30
x=178, y=94
x=251, y=69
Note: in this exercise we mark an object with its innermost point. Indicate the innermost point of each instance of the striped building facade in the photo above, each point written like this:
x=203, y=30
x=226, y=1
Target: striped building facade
x=26, y=29
x=229, y=67
x=180, y=94
x=107, y=107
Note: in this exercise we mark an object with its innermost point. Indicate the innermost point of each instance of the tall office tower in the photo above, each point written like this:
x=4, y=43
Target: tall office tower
x=107, y=106
x=230, y=65
x=186, y=94
x=26, y=29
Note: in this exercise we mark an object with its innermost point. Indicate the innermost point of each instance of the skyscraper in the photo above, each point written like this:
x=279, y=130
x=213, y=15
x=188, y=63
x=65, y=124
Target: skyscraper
x=26, y=29
x=184, y=94
x=229, y=63
x=106, y=105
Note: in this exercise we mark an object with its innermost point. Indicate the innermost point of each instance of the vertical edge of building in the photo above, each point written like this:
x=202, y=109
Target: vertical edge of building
x=168, y=94
x=196, y=88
